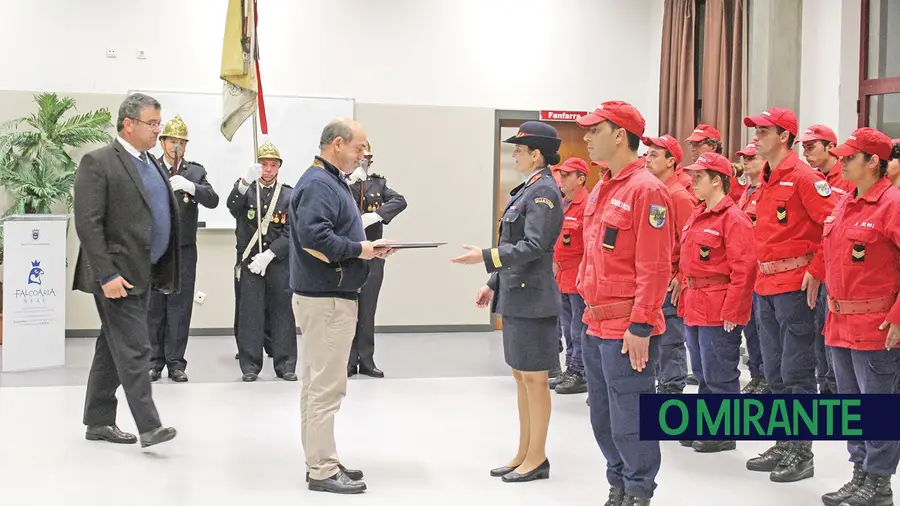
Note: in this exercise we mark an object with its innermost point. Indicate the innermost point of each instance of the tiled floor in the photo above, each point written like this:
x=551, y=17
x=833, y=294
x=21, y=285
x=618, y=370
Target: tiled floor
x=426, y=435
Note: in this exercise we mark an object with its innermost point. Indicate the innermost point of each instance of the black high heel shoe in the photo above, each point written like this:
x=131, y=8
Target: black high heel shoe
x=541, y=472
x=501, y=471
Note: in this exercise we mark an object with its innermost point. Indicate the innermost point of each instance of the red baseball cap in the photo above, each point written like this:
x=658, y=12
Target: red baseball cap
x=703, y=132
x=776, y=116
x=748, y=151
x=668, y=143
x=818, y=133
x=865, y=140
x=618, y=112
x=714, y=162
x=573, y=164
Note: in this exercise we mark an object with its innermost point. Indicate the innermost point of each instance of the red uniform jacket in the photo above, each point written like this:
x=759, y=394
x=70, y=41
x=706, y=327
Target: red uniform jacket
x=738, y=188
x=628, y=235
x=839, y=185
x=717, y=250
x=748, y=201
x=790, y=212
x=569, y=249
x=861, y=247
x=685, y=180
x=683, y=204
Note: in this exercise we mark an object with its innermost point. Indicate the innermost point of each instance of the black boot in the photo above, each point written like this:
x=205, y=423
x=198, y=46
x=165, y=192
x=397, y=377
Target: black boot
x=849, y=488
x=573, y=384
x=557, y=376
x=768, y=460
x=713, y=446
x=752, y=386
x=763, y=388
x=796, y=465
x=692, y=380
x=635, y=501
x=616, y=496
x=876, y=491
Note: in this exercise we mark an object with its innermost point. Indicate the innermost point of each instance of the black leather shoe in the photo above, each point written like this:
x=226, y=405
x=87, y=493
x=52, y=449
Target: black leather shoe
x=691, y=380
x=110, y=434
x=713, y=446
x=875, y=491
x=178, y=376
x=630, y=500
x=340, y=483
x=768, y=460
x=556, y=376
x=353, y=474
x=541, y=472
x=372, y=372
x=616, y=496
x=154, y=375
x=249, y=377
x=796, y=465
x=157, y=436
x=573, y=384
x=288, y=376
x=687, y=443
x=501, y=471
x=856, y=482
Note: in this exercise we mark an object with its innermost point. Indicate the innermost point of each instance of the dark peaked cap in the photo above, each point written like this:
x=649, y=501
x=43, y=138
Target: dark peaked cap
x=537, y=135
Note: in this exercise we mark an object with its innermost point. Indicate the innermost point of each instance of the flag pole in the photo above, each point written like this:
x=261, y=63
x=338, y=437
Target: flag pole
x=252, y=68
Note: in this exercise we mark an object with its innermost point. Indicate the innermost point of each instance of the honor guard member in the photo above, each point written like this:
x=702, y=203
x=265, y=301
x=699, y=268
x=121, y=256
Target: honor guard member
x=263, y=235
x=861, y=246
x=790, y=212
x=816, y=141
x=378, y=204
x=567, y=255
x=624, y=277
x=527, y=296
x=752, y=168
x=663, y=160
x=169, y=315
x=718, y=265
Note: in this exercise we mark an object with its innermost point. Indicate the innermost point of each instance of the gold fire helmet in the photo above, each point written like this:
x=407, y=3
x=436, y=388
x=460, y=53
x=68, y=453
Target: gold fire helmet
x=175, y=128
x=268, y=151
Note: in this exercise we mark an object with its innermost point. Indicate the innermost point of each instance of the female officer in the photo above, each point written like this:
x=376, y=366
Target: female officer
x=861, y=245
x=752, y=165
x=718, y=264
x=527, y=295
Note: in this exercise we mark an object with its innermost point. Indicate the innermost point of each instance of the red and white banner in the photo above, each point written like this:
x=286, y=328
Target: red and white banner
x=562, y=115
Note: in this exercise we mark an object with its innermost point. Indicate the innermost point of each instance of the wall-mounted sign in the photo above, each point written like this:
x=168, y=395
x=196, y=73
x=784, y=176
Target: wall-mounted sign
x=561, y=115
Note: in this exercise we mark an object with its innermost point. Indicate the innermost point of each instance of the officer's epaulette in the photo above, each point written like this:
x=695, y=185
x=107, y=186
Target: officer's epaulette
x=189, y=162
x=375, y=176
x=533, y=179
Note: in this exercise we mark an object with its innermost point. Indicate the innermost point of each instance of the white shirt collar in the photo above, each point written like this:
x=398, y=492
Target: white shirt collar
x=527, y=179
x=128, y=147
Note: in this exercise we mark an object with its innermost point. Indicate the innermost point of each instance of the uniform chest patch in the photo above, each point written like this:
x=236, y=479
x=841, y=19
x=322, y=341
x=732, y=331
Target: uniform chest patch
x=742, y=180
x=543, y=200
x=823, y=188
x=858, y=254
x=657, y=216
x=781, y=214
x=566, y=240
x=704, y=253
x=251, y=213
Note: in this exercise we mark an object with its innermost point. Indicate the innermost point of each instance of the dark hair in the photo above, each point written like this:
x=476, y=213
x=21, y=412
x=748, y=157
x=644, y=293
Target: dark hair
x=132, y=107
x=726, y=181
x=791, y=137
x=634, y=142
x=549, y=158
x=895, y=151
x=717, y=145
x=882, y=164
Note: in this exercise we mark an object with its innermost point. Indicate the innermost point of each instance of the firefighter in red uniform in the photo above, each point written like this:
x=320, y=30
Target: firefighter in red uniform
x=624, y=287
x=816, y=141
x=790, y=212
x=752, y=165
x=706, y=139
x=567, y=255
x=663, y=160
x=718, y=266
x=861, y=247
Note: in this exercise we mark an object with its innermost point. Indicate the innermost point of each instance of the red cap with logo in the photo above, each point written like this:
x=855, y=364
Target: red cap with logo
x=749, y=151
x=618, y=112
x=865, y=140
x=776, y=116
x=573, y=164
x=703, y=132
x=714, y=162
x=668, y=143
x=818, y=133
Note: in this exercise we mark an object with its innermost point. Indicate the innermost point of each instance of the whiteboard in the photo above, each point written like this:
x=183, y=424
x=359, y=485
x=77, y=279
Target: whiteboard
x=295, y=126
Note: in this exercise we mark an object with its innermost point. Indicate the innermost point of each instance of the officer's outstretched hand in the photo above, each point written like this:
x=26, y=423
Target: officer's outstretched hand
x=893, y=336
x=637, y=348
x=484, y=297
x=471, y=257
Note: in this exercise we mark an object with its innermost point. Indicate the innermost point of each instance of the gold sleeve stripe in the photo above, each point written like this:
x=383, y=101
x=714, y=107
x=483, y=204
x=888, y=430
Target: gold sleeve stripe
x=495, y=256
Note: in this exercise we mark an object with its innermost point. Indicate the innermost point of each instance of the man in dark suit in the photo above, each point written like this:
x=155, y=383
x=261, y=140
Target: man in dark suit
x=378, y=204
x=126, y=217
x=170, y=314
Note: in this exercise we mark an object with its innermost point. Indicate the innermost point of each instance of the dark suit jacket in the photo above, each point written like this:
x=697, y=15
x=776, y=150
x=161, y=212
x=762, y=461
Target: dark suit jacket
x=204, y=195
x=374, y=196
x=113, y=222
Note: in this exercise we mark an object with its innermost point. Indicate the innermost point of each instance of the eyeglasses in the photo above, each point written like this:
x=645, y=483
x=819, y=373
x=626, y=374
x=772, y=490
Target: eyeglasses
x=153, y=124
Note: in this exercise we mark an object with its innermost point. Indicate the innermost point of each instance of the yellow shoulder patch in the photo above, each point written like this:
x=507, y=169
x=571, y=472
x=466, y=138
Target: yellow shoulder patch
x=544, y=200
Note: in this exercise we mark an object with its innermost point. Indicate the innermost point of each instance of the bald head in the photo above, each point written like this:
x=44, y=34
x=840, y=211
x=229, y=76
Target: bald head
x=343, y=143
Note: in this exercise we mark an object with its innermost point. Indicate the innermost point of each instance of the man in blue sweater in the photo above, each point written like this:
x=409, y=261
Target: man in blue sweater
x=328, y=255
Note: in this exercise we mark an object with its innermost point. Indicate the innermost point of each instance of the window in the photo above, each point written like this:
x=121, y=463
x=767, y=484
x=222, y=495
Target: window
x=879, y=72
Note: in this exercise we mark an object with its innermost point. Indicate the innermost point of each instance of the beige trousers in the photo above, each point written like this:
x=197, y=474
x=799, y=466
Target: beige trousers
x=327, y=326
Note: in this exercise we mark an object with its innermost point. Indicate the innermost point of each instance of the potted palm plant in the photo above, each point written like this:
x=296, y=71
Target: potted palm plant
x=36, y=166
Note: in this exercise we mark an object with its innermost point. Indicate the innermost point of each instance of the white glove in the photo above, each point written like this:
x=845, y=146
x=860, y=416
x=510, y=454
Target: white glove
x=260, y=262
x=370, y=219
x=357, y=175
x=180, y=183
x=253, y=173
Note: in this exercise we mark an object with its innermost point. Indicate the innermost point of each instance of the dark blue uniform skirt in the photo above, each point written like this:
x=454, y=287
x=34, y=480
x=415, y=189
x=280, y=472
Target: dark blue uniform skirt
x=531, y=344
